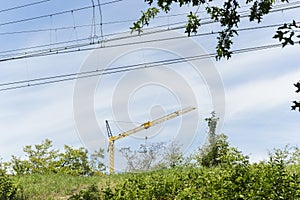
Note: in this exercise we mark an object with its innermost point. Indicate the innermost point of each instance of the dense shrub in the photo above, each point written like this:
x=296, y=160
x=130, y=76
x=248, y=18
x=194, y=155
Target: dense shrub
x=7, y=187
x=234, y=180
x=258, y=181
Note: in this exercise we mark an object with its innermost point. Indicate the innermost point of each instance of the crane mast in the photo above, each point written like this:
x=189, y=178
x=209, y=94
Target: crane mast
x=145, y=125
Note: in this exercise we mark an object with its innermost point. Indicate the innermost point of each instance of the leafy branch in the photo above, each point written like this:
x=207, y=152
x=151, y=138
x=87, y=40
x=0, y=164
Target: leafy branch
x=144, y=20
x=286, y=33
x=296, y=103
x=226, y=15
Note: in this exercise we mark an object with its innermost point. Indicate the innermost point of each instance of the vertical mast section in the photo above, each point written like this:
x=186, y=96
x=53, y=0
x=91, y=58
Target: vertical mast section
x=110, y=148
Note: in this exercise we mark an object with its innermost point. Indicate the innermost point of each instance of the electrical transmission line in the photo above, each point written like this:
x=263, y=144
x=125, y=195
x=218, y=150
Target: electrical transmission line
x=278, y=8
x=87, y=46
x=121, y=69
x=26, y=53
x=57, y=13
x=23, y=6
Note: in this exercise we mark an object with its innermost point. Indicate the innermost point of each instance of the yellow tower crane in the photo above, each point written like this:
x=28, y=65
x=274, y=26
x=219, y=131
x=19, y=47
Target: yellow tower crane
x=145, y=125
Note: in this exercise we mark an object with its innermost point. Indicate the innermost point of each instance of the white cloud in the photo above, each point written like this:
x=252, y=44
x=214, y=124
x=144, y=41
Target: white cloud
x=261, y=95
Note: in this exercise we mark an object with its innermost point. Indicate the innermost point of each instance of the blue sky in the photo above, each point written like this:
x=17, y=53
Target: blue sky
x=258, y=86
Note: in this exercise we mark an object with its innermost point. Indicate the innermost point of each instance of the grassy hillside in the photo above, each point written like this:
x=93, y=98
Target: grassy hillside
x=240, y=181
x=217, y=171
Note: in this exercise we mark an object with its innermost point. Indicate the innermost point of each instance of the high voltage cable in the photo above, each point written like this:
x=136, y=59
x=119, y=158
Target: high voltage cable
x=59, y=43
x=68, y=49
x=39, y=46
x=107, y=35
x=275, y=9
x=23, y=6
x=57, y=13
x=79, y=47
x=176, y=28
x=126, y=68
x=80, y=26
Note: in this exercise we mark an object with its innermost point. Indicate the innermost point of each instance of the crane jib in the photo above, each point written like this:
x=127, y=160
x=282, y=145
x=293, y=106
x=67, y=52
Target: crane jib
x=145, y=125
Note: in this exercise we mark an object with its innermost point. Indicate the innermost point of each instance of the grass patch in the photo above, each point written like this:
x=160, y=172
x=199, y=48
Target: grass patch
x=54, y=186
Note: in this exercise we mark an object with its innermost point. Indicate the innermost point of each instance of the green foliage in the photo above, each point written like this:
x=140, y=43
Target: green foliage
x=209, y=153
x=43, y=159
x=217, y=150
x=297, y=103
x=226, y=15
x=222, y=173
x=228, y=18
x=55, y=186
x=144, y=20
x=7, y=187
x=232, y=178
x=3, y=167
x=286, y=33
x=192, y=24
x=96, y=161
x=266, y=180
x=74, y=162
x=20, y=167
x=91, y=193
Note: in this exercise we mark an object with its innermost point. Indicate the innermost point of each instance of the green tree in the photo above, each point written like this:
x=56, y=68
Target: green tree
x=208, y=155
x=74, y=161
x=19, y=166
x=97, y=161
x=41, y=158
x=217, y=150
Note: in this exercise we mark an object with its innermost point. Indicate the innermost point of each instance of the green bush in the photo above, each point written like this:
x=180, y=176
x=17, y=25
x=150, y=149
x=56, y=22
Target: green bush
x=230, y=177
x=7, y=188
x=265, y=180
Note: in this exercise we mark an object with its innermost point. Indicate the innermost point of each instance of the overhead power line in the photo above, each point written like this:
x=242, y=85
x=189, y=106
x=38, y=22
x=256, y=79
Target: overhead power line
x=57, y=13
x=120, y=69
x=86, y=46
x=276, y=8
x=100, y=42
x=23, y=6
x=75, y=46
